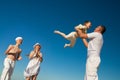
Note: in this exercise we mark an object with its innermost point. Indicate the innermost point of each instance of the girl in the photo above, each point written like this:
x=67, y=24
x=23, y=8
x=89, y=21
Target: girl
x=33, y=67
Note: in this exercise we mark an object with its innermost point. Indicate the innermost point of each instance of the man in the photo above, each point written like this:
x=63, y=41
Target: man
x=13, y=54
x=93, y=47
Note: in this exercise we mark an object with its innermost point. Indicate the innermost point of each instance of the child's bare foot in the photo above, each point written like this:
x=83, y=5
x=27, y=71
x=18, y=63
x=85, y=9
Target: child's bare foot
x=56, y=31
x=66, y=45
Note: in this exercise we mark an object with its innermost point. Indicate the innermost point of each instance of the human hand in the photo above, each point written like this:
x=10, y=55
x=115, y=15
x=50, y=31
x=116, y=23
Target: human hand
x=19, y=58
x=41, y=59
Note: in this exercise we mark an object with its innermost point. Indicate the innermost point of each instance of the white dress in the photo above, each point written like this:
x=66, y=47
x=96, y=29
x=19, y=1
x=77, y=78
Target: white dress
x=33, y=67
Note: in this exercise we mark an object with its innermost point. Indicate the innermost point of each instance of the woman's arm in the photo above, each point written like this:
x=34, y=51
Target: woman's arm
x=31, y=55
x=40, y=57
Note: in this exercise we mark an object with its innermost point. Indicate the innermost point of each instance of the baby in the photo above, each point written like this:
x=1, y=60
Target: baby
x=73, y=35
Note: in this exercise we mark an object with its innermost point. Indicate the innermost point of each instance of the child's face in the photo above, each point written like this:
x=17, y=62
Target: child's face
x=88, y=25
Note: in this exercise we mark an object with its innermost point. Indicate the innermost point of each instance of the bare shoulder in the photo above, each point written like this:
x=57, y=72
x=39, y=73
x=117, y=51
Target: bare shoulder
x=11, y=45
x=32, y=52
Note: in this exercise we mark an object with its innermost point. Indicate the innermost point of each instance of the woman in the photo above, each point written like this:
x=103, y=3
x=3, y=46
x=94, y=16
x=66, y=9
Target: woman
x=33, y=67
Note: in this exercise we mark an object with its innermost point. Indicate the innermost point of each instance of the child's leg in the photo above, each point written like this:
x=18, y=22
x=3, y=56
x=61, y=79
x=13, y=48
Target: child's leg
x=72, y=43
x=60, y=33
x=71, y=36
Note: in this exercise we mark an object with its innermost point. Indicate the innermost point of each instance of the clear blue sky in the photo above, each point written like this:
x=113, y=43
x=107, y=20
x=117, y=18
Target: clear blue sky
x=35, y=21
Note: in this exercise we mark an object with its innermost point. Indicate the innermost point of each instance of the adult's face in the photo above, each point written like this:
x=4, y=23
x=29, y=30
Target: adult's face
x=19, y=41
x=37, y=47
x=98, y=29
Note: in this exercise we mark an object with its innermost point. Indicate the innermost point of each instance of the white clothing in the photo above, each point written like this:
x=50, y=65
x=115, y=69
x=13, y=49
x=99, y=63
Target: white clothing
x=80, y=26
x=92, y=67
x=33, y=67
x=95, y=43
x=71, y=36
x=8, y=69
x=93, y=59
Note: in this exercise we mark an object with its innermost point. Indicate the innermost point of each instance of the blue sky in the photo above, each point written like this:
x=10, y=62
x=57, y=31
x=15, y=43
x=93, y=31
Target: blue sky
x=35, y=21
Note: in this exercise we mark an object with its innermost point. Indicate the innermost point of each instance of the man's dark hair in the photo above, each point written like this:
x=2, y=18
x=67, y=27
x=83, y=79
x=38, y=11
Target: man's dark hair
x=103, y=28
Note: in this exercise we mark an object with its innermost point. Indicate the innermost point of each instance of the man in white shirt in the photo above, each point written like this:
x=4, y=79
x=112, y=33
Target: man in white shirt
x=94, y=47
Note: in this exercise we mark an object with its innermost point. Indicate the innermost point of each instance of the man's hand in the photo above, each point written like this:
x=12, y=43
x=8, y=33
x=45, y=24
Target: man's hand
x=80, y=33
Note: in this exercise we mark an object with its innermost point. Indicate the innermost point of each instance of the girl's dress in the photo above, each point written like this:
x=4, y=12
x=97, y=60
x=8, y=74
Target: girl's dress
x=33, y=66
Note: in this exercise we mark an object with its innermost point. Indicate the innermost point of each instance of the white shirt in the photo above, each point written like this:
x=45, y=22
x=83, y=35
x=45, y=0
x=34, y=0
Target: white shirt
x=95, y=43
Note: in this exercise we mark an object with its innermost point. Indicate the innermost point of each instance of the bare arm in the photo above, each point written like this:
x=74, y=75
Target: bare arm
x=31, y=55
x=85, y=42
x=19, y=57
x=81, y=34
x=40, y=57
x=9, y=48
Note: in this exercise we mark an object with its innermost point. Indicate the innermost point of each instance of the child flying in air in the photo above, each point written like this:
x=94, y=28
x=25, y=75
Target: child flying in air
x=72, y=36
